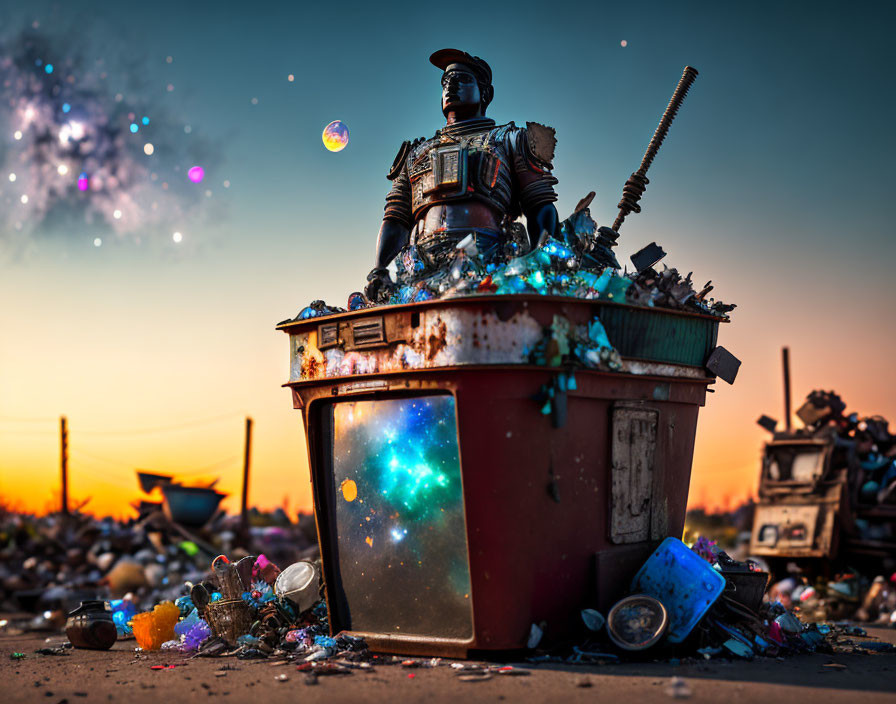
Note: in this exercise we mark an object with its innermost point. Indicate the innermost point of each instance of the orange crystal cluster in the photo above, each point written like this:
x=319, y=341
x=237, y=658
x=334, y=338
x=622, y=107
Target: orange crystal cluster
x=152, y=628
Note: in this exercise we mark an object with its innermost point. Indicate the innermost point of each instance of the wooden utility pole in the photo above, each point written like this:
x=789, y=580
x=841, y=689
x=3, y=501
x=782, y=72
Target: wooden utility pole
x=63, y=461
x=785, y=360
x=244, y=510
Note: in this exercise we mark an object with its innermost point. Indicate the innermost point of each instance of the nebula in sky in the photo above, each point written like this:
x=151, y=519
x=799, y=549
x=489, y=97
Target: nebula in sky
x=74, y=149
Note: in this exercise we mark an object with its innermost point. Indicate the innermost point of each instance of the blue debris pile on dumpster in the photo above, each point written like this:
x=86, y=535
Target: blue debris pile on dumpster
x=554, y=267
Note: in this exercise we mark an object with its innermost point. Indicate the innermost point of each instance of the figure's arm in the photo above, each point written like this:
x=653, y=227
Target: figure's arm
x=395, y=229
x=533, y=152
x=541, y=220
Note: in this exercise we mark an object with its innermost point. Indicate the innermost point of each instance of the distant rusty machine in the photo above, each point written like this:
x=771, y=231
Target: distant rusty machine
x=812, y=507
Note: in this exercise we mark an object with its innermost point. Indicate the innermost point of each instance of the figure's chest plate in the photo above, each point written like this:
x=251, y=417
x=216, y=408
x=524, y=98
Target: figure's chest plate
x=446, y=169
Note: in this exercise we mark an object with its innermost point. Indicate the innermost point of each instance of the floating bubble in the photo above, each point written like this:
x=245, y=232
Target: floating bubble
x=623, y=43
x=187, y=129
x=83, y=182
x=145, y=120
x=62, y=169
x=148, y=149
x=196, y=174
x=169, y=59
x=97, y=242
x=66, y=107
x=134, y=127
x=116, y=214
x=290, y=78
x=24, y=199
x=169, y=87
x=226, y=184
x=48, y=68
x=255, y=101
x=12, y=177
x=177, y=237
x=335, y=136
x=17, y=135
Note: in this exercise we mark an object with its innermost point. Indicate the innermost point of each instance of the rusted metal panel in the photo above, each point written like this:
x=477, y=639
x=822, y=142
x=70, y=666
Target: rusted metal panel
x=634, y=430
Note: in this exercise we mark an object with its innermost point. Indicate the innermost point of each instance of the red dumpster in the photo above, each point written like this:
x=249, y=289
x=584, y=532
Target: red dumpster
x=452, y=510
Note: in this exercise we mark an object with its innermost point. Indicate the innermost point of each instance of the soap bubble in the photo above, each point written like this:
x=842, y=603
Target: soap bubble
x=196, y=174
x=335, y=136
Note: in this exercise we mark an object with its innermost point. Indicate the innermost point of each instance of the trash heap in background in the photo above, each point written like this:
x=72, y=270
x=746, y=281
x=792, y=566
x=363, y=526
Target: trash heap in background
x=50, y=564
x=580, y=265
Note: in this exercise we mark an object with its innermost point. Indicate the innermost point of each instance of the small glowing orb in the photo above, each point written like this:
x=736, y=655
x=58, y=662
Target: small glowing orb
x=187, y=129
x=196, y=174
x=398, y=534
x=177, y=237
x=349, y=490
x=335, y=136
x=623, y=43
x=17, y=135
x=134, y=127
x=97, y=242
x=48, y=68
x=62, y=169
x=116, y=214
x=254, y=101
x=24, y=199
x=66, y=107
x=145, y=120
x=226, y=184
x=290, y=78
x=83, y=182
x=12, y=177
x=169, y=87
x=369, y=541
x=169, y=59
x=148, y=149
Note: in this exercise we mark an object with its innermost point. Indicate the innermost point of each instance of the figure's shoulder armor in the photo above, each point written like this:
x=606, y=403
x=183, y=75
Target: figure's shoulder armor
x=401, y=157
x=540, y=143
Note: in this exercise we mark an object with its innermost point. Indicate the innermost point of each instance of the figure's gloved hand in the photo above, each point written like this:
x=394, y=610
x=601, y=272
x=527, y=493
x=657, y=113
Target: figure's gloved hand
x=379, y=285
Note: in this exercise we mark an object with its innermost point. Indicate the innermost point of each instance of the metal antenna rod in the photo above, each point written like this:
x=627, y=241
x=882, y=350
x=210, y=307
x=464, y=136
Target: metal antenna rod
x=635, y=186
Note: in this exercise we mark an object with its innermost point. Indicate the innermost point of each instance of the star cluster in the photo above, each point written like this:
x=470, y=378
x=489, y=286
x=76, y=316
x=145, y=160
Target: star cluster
x=79, y=143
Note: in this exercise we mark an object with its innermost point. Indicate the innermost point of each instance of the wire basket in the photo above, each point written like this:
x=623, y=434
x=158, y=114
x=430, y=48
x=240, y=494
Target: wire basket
x=228, y=619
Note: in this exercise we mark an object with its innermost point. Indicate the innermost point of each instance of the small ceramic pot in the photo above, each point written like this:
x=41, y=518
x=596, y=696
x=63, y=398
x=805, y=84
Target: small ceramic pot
x=91, y=626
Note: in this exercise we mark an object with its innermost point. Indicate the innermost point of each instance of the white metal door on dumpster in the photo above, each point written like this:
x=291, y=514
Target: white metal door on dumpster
x=633, y=448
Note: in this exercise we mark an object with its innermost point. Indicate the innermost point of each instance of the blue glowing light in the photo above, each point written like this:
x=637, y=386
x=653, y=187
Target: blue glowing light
x=48, y=68
x=66, y=107
x=398, y=534
x=145, y=120
x=134, y=127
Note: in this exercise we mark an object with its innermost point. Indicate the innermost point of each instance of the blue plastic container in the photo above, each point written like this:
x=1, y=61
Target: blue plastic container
x=685, y=583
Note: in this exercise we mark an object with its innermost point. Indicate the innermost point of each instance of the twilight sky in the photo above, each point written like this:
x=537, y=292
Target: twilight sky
x=773, y=183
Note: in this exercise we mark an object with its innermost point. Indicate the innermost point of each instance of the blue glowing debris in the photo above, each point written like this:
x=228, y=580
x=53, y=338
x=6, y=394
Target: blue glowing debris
x=66, y=107
x=48, y=68
x=145, y=120
x=134, y=127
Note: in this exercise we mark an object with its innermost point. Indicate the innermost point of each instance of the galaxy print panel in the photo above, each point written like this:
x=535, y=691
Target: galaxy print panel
x=401, y=545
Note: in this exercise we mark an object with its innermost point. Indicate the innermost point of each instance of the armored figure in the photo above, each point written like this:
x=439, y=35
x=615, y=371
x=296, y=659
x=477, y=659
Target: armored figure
x=473, y=177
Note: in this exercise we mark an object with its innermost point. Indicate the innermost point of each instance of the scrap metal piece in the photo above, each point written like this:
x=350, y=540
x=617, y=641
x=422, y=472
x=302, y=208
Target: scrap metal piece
x=723, y=364
x=647, y=257
x=770, y=424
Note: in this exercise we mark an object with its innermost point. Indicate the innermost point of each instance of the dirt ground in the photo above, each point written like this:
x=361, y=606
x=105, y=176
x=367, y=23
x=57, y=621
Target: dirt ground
x=120, y=675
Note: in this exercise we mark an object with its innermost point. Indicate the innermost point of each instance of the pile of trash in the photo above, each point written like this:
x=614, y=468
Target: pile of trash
x=864, y=444
x=580, y=264
x=50, y=564
x=698, y=602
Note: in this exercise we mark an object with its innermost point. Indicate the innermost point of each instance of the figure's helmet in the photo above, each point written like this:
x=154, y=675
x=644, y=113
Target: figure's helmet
x=446, y=58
